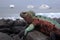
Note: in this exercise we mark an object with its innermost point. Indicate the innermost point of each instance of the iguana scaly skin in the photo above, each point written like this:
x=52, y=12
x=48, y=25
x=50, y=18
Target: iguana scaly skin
x=43, y=24
x=49, y=20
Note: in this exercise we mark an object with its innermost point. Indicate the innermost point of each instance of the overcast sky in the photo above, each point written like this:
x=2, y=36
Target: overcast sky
x=35, y=5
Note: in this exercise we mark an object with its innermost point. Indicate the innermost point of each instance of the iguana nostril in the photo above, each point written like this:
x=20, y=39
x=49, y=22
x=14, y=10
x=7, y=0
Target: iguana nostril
x=24, y=12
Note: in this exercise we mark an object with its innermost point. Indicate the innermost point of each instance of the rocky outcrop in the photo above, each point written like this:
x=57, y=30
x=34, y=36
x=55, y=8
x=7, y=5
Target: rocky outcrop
x=4, y=36
x=35, y=35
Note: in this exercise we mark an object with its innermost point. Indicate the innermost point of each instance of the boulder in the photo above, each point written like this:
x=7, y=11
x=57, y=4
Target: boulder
x=35, y=35
x=19, y=22
x=4, y=23
x=4, y=36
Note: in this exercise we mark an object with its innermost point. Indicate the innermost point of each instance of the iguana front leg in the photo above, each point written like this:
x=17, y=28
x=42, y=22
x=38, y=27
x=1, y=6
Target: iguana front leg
x=29, y=28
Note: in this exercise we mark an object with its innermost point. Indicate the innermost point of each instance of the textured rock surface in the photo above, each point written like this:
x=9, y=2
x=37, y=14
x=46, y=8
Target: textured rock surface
x=4, y=36
x=35, y=35
x=16, y=37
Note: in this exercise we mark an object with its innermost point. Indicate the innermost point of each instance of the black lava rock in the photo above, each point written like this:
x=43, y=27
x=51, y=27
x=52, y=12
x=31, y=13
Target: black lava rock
x=4, y=36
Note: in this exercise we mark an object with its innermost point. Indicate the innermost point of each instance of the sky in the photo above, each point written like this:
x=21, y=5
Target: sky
x=22, y=5
x=52, y=9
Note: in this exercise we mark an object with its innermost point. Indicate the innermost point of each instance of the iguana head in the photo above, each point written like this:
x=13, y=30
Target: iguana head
x=28, y=15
